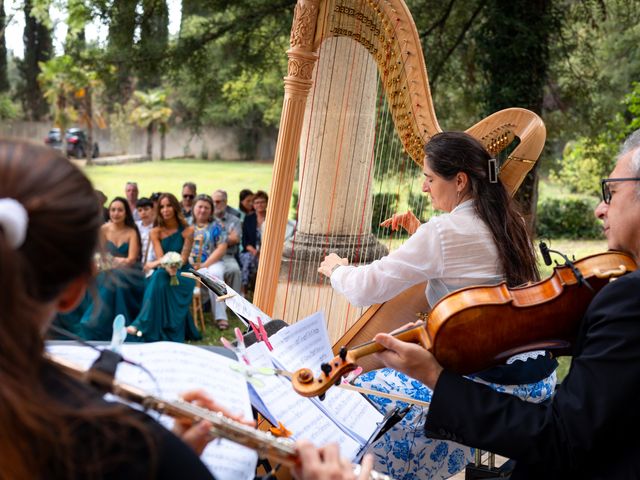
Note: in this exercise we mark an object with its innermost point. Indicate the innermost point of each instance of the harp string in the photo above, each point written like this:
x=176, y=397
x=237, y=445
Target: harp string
x=382, y=143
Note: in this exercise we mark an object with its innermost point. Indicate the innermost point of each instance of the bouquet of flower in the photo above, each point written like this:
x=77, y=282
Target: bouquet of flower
x=103, y=261
x=172, y=260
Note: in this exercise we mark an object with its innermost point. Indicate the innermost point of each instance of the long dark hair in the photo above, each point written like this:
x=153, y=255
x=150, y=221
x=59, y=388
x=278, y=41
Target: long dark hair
x=129, y=221
x=244, y=193
x=451, y=152
x=40, y=434
x=177, y=209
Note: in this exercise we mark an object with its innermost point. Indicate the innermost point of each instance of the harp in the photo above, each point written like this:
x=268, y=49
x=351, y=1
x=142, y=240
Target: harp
x=356, y=73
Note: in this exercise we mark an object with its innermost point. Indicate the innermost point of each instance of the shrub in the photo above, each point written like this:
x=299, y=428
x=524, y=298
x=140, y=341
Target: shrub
x=584, y=163
x=568, y=218
x=384, y=204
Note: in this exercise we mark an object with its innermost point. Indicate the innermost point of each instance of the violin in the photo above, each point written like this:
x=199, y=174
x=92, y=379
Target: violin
x=478, y=327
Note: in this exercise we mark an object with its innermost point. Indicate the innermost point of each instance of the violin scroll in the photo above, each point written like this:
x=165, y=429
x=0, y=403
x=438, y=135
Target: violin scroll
x=306, y=385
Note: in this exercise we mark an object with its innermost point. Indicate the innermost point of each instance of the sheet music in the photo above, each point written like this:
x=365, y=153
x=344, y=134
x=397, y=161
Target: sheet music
x=298, y=414
x=306, y=344
x=178, y=368
x=244, y=308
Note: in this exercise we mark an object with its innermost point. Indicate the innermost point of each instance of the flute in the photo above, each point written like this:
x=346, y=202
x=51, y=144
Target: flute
x=279, y=449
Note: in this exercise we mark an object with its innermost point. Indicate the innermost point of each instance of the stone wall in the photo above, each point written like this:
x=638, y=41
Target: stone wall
x=210, y=143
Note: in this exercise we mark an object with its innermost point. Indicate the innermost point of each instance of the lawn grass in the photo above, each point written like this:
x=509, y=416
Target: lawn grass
x=169, y=175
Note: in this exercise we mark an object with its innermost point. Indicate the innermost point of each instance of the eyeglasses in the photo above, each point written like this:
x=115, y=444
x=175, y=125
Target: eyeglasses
x=606, y=191
x=189, y=196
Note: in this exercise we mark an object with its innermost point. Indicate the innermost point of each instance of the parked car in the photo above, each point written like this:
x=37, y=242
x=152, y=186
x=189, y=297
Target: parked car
x=76, y=142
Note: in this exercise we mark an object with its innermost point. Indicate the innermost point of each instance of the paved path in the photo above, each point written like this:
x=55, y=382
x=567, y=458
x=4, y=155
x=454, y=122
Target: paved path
x=112, y=160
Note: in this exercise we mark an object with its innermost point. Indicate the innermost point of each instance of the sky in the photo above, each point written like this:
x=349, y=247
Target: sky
x=94, y=31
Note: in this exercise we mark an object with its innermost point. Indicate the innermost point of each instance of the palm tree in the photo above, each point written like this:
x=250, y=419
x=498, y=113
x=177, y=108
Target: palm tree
x=152, y=110
x=69, y=89
x=57, y=80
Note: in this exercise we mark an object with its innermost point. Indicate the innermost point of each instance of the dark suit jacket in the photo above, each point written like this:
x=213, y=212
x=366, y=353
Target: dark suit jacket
x=579, y=433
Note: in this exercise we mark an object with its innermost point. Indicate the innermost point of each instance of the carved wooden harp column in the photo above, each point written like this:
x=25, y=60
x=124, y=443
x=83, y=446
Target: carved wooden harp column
x=297, y=84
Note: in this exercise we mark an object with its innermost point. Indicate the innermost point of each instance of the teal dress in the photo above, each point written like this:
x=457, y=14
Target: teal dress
x=119, y=292
x=165, y=311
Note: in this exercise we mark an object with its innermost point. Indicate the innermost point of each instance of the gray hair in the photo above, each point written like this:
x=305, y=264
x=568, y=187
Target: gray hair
x=190, y=186
x=630, y=144
x=223, y=193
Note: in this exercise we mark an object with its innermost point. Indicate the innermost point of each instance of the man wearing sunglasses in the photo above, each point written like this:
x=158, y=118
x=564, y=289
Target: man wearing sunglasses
x=188, y=194
x=579, y=433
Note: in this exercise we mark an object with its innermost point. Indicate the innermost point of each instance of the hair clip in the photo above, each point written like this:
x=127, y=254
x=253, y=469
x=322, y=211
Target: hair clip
x=493, y=170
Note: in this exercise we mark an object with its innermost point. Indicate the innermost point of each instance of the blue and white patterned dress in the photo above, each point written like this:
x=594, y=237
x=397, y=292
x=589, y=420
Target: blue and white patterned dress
x=405, y=452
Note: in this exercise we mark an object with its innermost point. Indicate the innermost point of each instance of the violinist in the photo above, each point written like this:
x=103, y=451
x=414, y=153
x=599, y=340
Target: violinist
x=579, y=433
x=481, y=239
x=51, y=425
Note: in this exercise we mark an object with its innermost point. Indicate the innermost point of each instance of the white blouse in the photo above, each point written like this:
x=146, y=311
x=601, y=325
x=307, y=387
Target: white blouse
x=451, y=251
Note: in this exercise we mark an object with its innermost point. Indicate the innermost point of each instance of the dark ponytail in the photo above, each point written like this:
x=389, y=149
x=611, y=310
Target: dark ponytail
x=451, y=152
x=40, y=434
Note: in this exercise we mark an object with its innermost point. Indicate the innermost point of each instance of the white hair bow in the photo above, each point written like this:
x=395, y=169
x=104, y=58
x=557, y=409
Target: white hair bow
x=14, y=221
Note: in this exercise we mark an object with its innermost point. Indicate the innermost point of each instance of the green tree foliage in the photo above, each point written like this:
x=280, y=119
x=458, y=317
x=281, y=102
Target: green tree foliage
x=588, y=159
x=152, y=48
x=4, y=73
x=37, y=49
x=513, y=46
x=594, y=60
x=227, y=68
x=122, y=20
x=69, y=88
x=152, y=110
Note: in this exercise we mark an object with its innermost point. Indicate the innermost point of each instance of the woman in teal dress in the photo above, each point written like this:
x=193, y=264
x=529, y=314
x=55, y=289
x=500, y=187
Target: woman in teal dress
x=165, y=308
x=120, y=284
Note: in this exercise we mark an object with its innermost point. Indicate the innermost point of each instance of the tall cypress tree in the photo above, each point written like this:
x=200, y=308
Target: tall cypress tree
x=4, y=75
x=514, y=40
x=37, y=48
x=122, y=25
x=154, y=38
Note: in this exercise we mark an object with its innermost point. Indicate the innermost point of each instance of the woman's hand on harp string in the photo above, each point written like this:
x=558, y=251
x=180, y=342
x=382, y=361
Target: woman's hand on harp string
x=330, y=263
x=406, y=220
x=326, y=464
x=198, y=435
x=410, y=358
